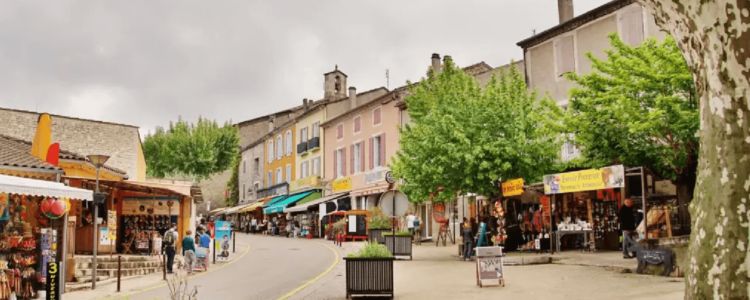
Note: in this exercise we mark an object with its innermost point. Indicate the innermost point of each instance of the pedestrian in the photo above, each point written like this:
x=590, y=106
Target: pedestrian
x=627, y=225
x=254, y=224
x=468, y=236
x=247, y=226
x=297, y=228
x=410, y=222
x=168, y=242
x=188, y=251
x=417, y=237
x=205, y=240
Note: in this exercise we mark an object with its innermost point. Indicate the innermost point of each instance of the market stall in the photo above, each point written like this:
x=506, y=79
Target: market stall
x=32, y=222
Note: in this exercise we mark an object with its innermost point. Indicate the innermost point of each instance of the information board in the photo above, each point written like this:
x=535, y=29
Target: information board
x=112, y=224
x=490, y=266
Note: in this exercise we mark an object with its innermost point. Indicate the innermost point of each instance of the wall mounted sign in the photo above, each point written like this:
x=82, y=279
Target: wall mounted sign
x=512, y=187
x=586, y=180
x=375, y=176
x=273, y=191
x=112, y=224
x=310, y=181
x=342, y=184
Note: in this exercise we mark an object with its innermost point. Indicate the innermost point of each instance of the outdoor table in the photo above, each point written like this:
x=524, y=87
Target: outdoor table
x=560, y=233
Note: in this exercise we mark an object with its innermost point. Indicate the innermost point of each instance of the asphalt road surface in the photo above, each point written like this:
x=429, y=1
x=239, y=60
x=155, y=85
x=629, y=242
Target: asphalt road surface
x=273, y=267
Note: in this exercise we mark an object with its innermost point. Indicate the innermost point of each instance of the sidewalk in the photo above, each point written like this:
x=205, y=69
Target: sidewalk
x=139, y=283
x=333, y=284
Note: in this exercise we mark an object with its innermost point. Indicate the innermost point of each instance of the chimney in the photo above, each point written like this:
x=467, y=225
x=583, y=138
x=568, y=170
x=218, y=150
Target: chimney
x=271, y=125
x=565, y=10
x=353, y=97
x=305, y=104
x=436, y=63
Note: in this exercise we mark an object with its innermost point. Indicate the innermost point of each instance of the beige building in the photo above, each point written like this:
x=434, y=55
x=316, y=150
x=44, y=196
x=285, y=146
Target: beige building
x=562, y=49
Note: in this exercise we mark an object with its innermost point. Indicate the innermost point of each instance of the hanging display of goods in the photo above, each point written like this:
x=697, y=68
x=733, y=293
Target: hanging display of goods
x=55, y=208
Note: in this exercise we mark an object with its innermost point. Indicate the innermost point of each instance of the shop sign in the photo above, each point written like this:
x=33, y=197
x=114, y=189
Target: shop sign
x=277, y=190
x=143, y=206
x=223, y=236
x=546, y=209
x=342, y=184
x=586, y=180
x=112, y=224
x=53, y=281
x=375, y=176
x=512, y=187
x=104, y=236
x=306, y=182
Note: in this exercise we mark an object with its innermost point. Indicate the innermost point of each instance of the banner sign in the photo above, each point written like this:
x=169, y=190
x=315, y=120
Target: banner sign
x=145, y=207
x=310, y=181
x=112, y=224
x=512, y=187
x=544, y=199
x=342, y=184
x=53, y=288
x=211, y=227
x=223, y=237
x=586, y=180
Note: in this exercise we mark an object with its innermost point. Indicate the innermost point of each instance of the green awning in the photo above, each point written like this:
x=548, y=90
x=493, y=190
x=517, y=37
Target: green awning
x=279, y=206
x=312, y=197
x=274, y=201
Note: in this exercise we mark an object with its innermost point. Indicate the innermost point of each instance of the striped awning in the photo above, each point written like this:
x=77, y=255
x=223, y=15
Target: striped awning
x=370, y=191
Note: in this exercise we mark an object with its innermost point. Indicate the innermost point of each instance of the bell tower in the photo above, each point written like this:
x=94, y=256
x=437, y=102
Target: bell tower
x=335, y=84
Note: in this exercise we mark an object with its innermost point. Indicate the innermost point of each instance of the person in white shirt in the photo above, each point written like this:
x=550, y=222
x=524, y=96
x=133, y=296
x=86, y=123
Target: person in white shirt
x=410, y=222
x=254, y=224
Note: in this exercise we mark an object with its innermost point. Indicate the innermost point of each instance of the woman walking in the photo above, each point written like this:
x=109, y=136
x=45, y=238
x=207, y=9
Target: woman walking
x=188, y=251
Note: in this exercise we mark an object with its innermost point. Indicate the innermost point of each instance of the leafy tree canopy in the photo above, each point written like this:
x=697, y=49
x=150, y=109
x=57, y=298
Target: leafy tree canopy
x=233, y=184
x=464, y=137
x=192, y=150
x=638, y=107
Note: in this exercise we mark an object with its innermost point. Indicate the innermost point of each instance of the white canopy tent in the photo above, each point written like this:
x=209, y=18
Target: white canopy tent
x=33, y=187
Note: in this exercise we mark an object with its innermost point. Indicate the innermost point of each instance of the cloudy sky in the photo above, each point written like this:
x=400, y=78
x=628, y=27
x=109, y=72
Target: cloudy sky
x=147, y=62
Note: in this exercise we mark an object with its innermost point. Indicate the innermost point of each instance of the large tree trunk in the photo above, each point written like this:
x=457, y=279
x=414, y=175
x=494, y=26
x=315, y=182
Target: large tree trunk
x=714, y=37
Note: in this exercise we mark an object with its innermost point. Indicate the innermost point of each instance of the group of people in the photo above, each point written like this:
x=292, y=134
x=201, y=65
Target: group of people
x=413, y=225
x=273, y=227
x=188, y=246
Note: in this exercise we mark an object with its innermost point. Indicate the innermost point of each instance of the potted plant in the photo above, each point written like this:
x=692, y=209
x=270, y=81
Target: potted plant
x=403, y=241
x=379, y=223
x=338, y=228
x=370, y=271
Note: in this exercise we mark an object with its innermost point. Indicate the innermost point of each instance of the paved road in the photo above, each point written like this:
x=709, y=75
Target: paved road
x=273, y=267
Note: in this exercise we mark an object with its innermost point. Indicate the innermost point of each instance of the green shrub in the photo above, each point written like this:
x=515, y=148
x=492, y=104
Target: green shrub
x=379, y=220
x=372, y=250
x=339, y=225
x=400, y=232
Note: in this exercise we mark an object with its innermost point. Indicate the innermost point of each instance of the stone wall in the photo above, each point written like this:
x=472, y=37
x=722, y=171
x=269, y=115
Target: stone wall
x=251, y=131
x=84, y=137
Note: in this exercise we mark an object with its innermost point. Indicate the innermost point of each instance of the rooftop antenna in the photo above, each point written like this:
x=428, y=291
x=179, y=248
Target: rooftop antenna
x=387, y=80
x=533, y=32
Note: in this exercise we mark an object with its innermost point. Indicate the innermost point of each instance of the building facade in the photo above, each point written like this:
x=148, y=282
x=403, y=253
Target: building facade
x=280, y=158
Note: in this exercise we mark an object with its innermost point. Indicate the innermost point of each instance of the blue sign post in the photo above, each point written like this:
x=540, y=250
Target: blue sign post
x=223, y=237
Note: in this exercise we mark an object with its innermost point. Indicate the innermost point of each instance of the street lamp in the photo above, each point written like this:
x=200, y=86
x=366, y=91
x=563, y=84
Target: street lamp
x=98, y=161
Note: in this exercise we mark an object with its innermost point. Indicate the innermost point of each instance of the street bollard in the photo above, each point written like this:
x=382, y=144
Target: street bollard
x=234, y=242
x=164, y=267
x=119, y=271
x=214, y=245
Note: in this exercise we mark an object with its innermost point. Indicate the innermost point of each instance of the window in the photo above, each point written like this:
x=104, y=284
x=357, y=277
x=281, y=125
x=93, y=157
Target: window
x=269, y=151
x=289, y=143
x=316, y=129
x=376, y=151
x=565, y=55
x=256, y=165
x=270, y=179
x=356, y=157
x=357, y=124
x=339, y=162
x=376, y=116
x=631, y=24
x=279, y=147
x=340, y=131
x=244, y=169
x=316, y=166
x=288, y=173
x=304, y=169
x=256, y=186
x=303, y=135
x=279, y=175
x=243, y=191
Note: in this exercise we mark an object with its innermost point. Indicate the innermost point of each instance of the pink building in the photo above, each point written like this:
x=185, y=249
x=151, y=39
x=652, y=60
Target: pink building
x=359, y=145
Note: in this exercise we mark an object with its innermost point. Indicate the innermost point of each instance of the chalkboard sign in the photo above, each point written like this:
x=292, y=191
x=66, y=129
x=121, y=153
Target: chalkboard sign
x=53, y=281
x=490, y=270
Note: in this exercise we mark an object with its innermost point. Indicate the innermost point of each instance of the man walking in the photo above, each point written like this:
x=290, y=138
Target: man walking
x=627, y=225
x=169, y=240
x=410, y=222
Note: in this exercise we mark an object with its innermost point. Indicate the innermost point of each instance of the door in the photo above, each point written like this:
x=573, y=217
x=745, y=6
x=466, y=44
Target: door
x=425, y=214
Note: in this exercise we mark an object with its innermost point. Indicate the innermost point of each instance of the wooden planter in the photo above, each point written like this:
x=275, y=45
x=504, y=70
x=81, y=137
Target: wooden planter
x=369, y=276
x=376, y=235
x=403, y=245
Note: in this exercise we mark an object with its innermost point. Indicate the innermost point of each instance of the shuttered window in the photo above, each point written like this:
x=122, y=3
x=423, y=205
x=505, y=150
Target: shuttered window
x=376, y=116
x=340, y=131
x=565, y=55
x=357, y=124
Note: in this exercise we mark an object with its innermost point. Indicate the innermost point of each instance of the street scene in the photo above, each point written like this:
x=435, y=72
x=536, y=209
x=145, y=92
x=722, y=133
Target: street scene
x=540, y=149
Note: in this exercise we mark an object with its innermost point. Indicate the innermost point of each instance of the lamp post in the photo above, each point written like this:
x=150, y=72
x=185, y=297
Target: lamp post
x=98, y=161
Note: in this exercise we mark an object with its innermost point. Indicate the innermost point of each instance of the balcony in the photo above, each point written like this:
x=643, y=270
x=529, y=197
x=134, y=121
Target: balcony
x=313, y=144
x=301, y=148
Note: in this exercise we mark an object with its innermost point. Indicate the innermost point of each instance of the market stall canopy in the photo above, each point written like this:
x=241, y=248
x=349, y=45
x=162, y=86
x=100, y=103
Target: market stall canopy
x=300, y=207
x=218, y=210
x=251, y=207
x=235, y=209
x=33, y=187
x=279, y=206
x=135, y=186
x=272, y=202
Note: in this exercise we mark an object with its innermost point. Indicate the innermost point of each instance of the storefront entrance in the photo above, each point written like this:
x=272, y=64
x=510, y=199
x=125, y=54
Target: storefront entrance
x=425, y=214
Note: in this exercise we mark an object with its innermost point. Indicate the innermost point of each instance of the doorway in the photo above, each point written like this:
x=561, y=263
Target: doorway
x=425, y=214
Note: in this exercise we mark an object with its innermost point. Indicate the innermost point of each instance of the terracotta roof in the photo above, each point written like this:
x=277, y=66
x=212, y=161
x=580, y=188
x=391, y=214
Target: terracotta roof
x=72, y=118
x=17, y=153
x=574, y=23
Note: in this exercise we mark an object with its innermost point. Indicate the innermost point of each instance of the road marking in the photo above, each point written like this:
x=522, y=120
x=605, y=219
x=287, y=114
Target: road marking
x=330, y=268
x=247, y=249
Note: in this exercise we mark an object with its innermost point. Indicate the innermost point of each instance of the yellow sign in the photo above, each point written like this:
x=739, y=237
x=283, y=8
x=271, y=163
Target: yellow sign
x=306, y=182
x=512, y=187
x=342, y=184
x=586, y=180
x=112, y=224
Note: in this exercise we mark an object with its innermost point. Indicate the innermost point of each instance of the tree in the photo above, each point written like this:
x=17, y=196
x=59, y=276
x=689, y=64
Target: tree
x=465, y=137
x=192, y=150
x=715, y=40
x=233, y=184
x=638, y=107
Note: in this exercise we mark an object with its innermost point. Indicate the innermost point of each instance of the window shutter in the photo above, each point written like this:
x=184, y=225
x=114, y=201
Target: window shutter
x=343, y=161
x=362, y=156
x=339, y=131
x=376, y=116
x=335, y=164
x=372, y=153
x=382, y=149
x=352, y=158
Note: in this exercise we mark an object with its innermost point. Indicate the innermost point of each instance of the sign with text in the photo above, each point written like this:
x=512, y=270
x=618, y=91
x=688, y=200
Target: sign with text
x=139, y=206
x=375, y=176
x=489, y=265
x=310, y=181
x=53, y=281
x=112, y=224
x=586, y=180
x=104, y=236
x=512, y=187
x=223, y=236
x=342, y=184
x=544, y=200
x=273, y=191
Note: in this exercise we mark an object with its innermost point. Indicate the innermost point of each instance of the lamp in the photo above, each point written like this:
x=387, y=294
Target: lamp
x=98, y=161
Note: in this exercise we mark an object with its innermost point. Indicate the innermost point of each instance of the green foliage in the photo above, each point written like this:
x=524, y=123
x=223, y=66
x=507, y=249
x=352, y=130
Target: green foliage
x=193, y=150
x=464, y=137
x=372, y=250
x=233, y=186
x=400, y=232
x=379, y=220
x=339, y=225
x=637, y=108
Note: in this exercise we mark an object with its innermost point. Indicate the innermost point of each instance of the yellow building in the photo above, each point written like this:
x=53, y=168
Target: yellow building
x=309, y=148
x=280, y=155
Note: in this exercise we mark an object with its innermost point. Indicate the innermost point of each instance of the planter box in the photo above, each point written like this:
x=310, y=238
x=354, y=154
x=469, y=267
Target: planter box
x=369, y=276
x=376, y=235
x=403, y=245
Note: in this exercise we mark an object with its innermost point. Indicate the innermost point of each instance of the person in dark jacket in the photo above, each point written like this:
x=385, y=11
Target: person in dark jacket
x=627, y=225
x=468, y=235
